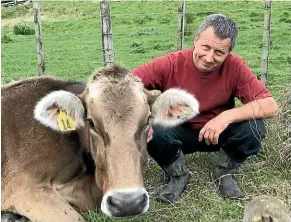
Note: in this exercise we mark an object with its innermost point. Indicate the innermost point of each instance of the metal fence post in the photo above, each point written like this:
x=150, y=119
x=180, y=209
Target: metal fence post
x=266, y=41
x=39, y=43
x=181, y=24
x=107, y=42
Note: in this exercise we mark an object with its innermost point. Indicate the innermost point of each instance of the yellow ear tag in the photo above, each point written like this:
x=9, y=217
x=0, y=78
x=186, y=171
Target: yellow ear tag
x=66, y=123
x=257, y=219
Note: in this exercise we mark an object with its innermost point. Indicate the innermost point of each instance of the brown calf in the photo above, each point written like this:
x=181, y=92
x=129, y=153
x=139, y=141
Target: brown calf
x=69, y=147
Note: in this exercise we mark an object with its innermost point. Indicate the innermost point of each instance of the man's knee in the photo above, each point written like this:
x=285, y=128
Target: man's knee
x=254, y=130
x=162, y=137
x=244, y=139
x=164, y=146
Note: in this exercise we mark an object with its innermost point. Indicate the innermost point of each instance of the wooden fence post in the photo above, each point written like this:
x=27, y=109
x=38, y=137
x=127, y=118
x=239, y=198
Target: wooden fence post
x=181, y=24
x=107, y=42
x=266, y=41
x=39, y=43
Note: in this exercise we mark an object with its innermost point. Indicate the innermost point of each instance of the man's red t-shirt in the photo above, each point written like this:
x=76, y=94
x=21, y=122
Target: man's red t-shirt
x=215, y=91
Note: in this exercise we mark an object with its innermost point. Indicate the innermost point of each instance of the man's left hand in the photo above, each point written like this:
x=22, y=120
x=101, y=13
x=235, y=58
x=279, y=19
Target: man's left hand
x=213, y=128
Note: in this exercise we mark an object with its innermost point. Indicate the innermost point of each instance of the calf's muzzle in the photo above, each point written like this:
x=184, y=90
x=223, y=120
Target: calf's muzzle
x=125, y=203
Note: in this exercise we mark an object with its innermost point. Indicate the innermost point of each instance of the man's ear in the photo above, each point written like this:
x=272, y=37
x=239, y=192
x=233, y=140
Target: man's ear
x=195, y=39
x=174, y=107
x=152, y=95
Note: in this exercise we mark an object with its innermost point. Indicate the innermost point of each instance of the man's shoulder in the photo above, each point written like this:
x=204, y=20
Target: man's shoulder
x=178, y=57
x=172, y=56
x=233, y=59
x=233, y=63
x=178, y=54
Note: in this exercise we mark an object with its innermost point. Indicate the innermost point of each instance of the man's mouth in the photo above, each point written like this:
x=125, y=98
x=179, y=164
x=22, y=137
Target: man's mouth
x=207, y=64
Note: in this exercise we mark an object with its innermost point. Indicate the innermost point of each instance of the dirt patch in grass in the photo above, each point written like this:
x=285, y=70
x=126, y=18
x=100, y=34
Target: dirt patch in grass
x=7, y=23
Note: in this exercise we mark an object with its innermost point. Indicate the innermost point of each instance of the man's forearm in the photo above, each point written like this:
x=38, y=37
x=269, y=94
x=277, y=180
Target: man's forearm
x=262, y=108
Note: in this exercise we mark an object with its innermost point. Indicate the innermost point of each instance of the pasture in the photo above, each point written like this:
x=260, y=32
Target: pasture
x=142, y=31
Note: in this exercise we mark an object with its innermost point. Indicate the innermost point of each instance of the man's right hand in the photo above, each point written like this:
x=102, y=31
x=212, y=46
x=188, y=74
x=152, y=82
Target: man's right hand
x=213, y=128
x=150, y=135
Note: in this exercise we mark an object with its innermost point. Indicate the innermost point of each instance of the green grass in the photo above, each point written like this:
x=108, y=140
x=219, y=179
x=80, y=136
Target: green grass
x=141, y=32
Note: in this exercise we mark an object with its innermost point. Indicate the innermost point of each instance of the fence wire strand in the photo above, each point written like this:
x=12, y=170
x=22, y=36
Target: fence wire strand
x=90, y=47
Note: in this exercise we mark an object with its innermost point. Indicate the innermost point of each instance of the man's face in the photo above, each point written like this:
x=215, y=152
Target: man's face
x=210, y=51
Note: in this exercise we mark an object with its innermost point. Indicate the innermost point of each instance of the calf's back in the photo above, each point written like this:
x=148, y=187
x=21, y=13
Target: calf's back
x=30, y=149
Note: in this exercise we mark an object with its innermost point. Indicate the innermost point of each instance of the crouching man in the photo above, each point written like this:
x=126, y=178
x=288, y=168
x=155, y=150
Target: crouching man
x=216, y=77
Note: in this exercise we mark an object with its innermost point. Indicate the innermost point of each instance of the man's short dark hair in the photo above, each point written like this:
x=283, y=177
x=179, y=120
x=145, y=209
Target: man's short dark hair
x=223, y=26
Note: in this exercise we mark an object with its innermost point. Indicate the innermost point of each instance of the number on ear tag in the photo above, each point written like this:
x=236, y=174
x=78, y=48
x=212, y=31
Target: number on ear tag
x=66, y=123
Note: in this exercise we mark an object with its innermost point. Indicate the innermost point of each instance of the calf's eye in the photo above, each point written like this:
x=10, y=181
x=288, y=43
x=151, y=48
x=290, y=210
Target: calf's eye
x=149, y=119
x=91, y=123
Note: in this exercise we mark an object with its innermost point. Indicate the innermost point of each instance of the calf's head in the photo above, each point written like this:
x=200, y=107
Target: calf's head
x=115, y=112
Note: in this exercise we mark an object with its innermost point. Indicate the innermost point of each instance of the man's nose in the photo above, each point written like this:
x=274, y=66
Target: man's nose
x=209, y=57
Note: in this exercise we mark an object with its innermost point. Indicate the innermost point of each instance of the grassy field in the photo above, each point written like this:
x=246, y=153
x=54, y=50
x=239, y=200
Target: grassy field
x=141, y=32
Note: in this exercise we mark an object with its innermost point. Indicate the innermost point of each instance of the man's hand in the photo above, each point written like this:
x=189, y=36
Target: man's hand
x=213, y=128
x=261, y=108
x=150, y=135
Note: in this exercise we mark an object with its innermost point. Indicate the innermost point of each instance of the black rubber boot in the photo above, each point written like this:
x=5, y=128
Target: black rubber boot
x=10, y=217
x=223, y=176
x=179, y=178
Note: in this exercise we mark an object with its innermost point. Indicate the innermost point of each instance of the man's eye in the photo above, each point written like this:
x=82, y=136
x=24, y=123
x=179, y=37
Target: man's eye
x=206, y=47
x=219, y=53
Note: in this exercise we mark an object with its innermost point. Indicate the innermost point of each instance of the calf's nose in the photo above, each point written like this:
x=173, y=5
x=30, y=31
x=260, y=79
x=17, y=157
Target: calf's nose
x=125, y=203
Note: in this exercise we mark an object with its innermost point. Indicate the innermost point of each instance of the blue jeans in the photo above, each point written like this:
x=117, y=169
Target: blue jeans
x=238, y=140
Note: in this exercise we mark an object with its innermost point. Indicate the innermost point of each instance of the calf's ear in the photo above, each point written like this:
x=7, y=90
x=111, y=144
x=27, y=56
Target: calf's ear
x=61, y=111
x=174, y=107
x=152, y=95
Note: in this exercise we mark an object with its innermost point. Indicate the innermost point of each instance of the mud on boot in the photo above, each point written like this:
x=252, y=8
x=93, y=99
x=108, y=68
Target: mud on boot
x=224, y=179
x=179, y=178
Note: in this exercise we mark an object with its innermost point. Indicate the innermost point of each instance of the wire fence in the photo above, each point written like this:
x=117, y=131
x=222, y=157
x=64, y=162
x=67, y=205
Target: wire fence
x=73, y=46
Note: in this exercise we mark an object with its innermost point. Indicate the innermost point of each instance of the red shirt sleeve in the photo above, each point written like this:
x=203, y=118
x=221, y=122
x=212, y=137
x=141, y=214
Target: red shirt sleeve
x=249, y=88
x=153, y=73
